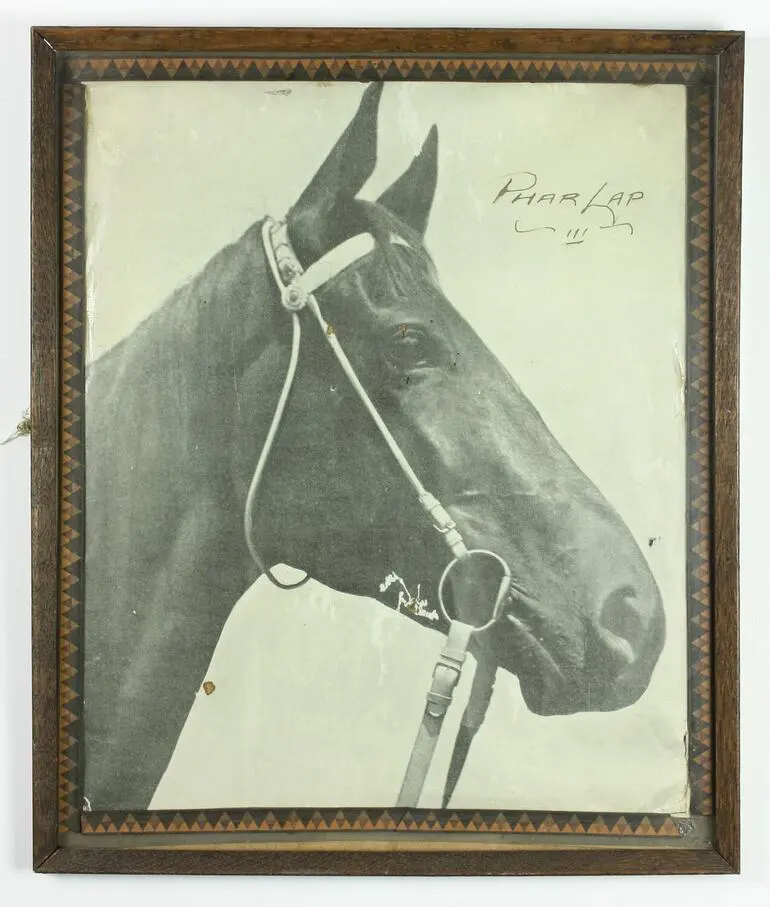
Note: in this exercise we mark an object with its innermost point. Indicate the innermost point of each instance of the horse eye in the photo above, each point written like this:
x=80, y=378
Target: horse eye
x=409, y=348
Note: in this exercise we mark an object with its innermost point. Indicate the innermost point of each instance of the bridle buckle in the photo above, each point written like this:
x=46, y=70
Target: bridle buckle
x=294, y=298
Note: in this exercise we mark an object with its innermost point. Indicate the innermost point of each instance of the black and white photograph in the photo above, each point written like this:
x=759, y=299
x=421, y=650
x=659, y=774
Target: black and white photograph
x=385, y=445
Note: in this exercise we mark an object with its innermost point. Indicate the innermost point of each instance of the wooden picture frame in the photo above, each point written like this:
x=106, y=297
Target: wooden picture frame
x=410, y=843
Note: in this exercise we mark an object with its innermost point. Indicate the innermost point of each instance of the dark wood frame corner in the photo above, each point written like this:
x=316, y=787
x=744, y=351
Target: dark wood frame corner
x=53, y=852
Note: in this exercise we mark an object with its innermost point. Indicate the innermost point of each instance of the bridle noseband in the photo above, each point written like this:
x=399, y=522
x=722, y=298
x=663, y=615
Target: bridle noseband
x=297, y=288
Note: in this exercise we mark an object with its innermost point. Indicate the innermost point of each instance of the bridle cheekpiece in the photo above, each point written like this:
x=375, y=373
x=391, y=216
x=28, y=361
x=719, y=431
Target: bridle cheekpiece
x=297, y=287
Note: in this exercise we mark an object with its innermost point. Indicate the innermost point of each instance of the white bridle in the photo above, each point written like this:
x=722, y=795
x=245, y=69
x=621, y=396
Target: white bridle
x=297, y=288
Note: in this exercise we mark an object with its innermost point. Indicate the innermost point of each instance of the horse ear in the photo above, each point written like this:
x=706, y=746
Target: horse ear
x=350, y=163
x=411, y=196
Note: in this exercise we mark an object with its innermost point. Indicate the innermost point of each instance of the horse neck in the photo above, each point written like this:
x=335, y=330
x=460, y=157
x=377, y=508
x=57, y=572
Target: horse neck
x=184, y=361
x=166, y=559
x=220, y=319
x=163, y=407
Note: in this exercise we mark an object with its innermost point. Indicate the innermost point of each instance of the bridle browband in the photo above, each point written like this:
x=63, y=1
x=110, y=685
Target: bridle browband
x=297, y=288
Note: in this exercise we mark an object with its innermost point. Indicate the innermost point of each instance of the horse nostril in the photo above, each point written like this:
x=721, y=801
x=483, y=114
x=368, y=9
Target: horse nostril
x=621, y=625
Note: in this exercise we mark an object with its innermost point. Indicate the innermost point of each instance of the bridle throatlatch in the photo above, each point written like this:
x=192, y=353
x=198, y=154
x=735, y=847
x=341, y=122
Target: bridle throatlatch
x=297, y=289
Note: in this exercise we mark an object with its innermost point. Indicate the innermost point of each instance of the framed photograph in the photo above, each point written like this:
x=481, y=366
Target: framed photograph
x=384, y=430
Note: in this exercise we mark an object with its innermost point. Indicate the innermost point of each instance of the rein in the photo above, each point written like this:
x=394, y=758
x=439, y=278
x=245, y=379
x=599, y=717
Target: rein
x=297, y=288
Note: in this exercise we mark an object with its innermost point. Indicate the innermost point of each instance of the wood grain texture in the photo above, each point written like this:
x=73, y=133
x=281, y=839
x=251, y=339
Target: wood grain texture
x=287, y=41
x=727, y=253
x=530, y=862
x=44, y=411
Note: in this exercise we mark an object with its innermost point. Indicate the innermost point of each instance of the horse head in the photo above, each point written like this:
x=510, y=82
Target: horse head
x=586, y=626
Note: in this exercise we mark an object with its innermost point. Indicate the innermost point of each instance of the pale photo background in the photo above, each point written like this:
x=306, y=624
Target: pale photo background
x=319, y=695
